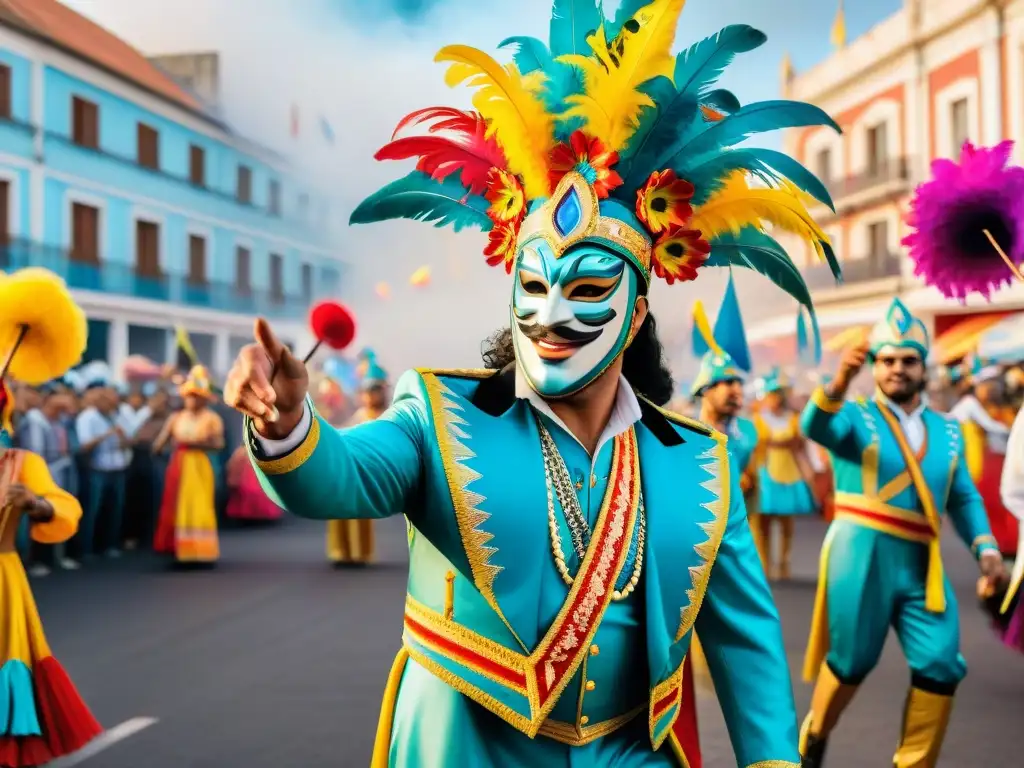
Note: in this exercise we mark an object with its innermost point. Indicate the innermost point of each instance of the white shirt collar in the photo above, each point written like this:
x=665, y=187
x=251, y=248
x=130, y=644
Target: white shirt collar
x=625, y=413
x=901, y=414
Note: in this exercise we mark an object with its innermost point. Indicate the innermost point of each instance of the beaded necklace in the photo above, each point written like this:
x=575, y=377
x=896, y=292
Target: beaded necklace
x=559, y=483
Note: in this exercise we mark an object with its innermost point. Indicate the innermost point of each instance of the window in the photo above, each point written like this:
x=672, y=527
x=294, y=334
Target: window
x=878, y=240
x=824, y=165
x=5, y=217
x=5, y=92
x=197, y=165
x=958, y=121
x=243, y=269
x=878, y=150
x=244, y=190
x=274, y=204
x=85, y=234
x=85, y=123
x=147, y=249
x=196, y=260
x=307, y=282
x=149, y=147
x=276, y=277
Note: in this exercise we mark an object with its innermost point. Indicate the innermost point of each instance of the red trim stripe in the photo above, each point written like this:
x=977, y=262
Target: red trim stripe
x=922, y=529
x=451, y=648
x=665, y=703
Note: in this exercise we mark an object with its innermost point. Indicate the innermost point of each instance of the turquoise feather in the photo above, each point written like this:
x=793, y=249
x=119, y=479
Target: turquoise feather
x=561, y=80
x=753, y=249
x=421, y=198
x=698, y=345
x=658, y=125
x=722, y=100
x=729, y=331
x=700, y=66
x=832, y=261
x=767, y=164
x=571, y=22
x=747, y=121
x=530, y=55
x=808, y=349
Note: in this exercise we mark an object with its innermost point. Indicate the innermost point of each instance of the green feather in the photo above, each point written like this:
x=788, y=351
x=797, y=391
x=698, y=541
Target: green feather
x=722, y=100
x=700, y=66
x=571, y=22
x=753, y=249
x=421, y=198
x=659, y=125
x=770, y=166
x=745, y=122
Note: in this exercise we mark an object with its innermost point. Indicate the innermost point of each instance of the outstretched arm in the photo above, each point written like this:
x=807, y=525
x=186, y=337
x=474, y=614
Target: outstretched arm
x=369, y=471
x=826, y=420
x=742, y=640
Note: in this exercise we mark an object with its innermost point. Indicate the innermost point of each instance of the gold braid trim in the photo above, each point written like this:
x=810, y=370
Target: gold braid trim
x=292, y=461
x=825, y=403
x=774, y=764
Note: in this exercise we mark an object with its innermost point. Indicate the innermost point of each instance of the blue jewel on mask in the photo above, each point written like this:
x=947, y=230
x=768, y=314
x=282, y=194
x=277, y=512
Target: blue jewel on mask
x=568, y=213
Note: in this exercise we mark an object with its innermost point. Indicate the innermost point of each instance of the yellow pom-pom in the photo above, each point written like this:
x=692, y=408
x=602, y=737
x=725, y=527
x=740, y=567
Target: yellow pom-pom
x=38, y=300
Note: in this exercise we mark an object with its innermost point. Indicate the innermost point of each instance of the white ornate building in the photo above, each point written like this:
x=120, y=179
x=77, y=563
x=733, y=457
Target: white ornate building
x=911, y=89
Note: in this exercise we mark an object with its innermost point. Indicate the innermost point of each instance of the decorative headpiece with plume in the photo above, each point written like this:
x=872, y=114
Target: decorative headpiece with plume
x=717, y=364
x=604, y=136
x=968, y=222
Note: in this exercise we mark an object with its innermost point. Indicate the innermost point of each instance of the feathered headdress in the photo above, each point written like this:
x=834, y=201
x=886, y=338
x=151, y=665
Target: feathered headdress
x=604, y=135
x=718, y=363
x=968, y=222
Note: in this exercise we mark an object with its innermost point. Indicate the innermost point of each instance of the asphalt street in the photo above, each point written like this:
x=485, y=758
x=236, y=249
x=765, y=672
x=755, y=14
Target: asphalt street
x=275, y=660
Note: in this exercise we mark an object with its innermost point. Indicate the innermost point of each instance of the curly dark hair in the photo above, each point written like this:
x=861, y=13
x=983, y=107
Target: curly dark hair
x=643, y=364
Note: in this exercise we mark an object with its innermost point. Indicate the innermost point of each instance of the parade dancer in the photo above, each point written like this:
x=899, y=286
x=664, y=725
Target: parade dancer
x=187, y=527
x=351, y=542
x=1009, y=608
x=785, y=472
x=986, y=421
x=719, y=390
x=898, y=466
x=42, y=716
x=570, y=534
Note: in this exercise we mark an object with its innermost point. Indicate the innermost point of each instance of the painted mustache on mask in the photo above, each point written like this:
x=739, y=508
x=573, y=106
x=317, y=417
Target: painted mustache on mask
x=558, y=334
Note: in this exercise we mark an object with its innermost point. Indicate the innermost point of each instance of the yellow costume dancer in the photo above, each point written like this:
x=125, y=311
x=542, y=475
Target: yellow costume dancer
x=351, y=541
x=188, y=515
x=42, y=716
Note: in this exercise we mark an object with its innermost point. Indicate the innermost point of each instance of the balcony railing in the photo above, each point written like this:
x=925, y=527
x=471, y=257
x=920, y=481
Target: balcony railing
x=122, y=280
x=856, y=270
x=894, y=170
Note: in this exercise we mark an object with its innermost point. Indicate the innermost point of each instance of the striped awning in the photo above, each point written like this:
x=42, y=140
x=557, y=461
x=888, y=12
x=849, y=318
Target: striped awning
x=1004, y=341
x=962, y=339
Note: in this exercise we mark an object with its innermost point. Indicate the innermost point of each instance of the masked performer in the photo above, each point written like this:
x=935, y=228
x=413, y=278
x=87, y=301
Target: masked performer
x=785, y=473
x=187, y=527
x=986, y=421
x=351, y=541
x=42, y=716
x=898, y=466
x=569, y=534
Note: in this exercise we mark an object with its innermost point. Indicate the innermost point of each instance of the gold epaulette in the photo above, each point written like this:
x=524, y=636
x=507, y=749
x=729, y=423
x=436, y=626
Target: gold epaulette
x=459, y=373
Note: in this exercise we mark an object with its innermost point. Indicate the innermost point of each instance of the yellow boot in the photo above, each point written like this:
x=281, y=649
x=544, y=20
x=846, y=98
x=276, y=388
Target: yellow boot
x=924, y=727
x=830, y=698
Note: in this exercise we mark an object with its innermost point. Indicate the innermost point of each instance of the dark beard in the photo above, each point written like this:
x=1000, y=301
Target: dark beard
x=905, y=396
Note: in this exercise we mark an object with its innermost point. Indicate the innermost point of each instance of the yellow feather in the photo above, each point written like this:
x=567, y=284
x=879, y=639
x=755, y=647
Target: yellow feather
x=700, y=321
x=612, y=101
x=736, y=206
x=515, y=113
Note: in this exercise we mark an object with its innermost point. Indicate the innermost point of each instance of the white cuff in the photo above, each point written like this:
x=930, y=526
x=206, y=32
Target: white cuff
x=275, y=448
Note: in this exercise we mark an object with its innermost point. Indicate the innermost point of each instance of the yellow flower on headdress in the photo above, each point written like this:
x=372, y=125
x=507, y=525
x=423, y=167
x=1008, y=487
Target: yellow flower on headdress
x=678, y=254
x=501, y=246
x=589, y=158
x=664, y=201
x=506, y=196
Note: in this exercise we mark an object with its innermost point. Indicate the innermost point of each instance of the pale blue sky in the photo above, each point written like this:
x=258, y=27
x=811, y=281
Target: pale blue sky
x=364, y=71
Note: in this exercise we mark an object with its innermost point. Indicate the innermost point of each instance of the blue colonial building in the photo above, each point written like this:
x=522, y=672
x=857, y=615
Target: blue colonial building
x=155, y=212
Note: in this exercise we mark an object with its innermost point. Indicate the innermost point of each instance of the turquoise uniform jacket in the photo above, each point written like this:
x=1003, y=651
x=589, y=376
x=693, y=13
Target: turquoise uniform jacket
x=460, y=456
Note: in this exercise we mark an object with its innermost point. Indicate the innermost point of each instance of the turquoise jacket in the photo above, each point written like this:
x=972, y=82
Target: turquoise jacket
x=460, y=456
x=743, y=443
x=871, y=473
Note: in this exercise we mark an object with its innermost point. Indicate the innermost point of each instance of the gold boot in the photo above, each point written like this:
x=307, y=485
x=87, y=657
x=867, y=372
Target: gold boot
x=830, y=698
x=924, y=727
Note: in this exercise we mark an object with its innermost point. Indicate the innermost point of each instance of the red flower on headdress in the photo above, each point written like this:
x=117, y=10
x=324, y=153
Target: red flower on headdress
x=506, y=196
x=501, y=246
x=664, y=201
x=588, y=157
x=678, y=254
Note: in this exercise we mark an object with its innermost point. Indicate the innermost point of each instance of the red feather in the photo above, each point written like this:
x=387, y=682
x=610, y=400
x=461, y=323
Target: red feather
x=332, y=324
x=469, y=151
